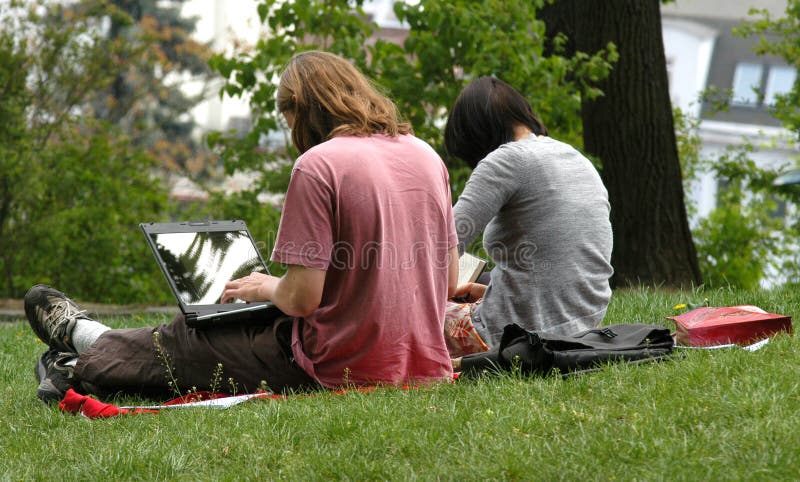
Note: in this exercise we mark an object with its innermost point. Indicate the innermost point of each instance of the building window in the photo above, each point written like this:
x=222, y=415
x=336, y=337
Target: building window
x=747, y=84
x=779, y=81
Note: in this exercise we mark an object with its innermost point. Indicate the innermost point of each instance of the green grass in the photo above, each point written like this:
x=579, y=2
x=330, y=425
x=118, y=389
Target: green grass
x=704, y=415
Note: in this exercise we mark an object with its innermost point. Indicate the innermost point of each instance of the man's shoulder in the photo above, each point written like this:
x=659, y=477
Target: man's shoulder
x=342, y=150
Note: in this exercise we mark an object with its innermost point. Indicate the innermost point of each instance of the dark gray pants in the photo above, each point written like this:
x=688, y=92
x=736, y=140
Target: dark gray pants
x=125, y=360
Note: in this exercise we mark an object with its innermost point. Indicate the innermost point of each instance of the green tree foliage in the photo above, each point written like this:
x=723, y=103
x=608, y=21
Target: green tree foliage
x=741, y=237
x=72, y=187
x=146, y=98
x=449, y=43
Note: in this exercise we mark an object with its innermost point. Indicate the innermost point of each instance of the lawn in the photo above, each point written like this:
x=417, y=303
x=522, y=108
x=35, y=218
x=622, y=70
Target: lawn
x=703, y=415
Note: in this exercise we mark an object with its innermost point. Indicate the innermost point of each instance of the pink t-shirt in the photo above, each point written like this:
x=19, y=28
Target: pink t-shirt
x=375, y=212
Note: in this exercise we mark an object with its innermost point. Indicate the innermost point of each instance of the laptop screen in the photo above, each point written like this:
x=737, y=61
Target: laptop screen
x=200, y=263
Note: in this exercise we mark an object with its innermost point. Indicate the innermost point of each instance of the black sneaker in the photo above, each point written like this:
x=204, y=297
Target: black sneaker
x=52, y=316
x=54, y=372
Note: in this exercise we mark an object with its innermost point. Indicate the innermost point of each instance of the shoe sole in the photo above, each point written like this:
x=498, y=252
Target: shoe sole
x=33, y=298
x=49, y=393
x=46, y=391
x=36, y=297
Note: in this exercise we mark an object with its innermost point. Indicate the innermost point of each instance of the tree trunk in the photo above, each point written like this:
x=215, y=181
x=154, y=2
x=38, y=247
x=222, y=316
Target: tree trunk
x=630, y=129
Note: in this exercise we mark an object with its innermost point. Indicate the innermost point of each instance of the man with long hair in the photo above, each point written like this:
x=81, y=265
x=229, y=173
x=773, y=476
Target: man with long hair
x=368, y=236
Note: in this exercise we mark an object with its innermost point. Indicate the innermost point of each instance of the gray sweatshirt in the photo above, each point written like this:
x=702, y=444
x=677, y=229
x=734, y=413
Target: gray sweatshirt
x=544, y=214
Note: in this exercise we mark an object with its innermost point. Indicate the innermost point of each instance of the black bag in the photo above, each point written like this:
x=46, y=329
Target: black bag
x=541, y=353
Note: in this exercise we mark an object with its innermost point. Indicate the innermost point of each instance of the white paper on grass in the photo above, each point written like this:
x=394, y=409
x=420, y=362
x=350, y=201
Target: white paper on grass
x=755, y=346
x=218, y=403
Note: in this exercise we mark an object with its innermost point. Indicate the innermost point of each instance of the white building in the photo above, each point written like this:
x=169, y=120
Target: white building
x=702, y=52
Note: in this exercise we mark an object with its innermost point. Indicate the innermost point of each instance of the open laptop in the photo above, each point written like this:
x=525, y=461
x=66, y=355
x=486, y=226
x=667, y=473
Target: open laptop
x=198, y=259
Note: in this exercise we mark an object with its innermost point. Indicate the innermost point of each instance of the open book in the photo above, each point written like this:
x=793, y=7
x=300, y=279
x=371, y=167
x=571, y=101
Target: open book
x=469, y=268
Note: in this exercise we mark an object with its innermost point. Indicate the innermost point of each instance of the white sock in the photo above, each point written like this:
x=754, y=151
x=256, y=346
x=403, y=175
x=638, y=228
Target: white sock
x=85, y=333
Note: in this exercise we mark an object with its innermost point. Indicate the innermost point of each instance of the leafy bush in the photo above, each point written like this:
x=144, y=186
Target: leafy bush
x=734, y=242
x=82, y=231
x=72, y=189
x=742, y=238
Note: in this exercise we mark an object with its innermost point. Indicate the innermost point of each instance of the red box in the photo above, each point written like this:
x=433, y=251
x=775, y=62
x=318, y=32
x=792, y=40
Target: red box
x=742, y=325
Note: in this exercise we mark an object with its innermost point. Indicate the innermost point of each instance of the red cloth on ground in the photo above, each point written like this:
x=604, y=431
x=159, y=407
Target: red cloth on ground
x=78, y=404
x=89, y=407
x=92, y=408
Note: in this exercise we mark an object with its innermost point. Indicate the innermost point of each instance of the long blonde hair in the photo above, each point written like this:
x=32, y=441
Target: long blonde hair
x=330, y=97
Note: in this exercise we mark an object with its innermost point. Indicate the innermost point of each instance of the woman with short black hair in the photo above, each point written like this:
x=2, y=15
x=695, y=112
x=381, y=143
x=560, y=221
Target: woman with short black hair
x=487, y=115
x=544, y=215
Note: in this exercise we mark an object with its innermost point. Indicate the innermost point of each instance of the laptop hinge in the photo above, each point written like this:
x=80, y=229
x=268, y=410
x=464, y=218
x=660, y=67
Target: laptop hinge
x=221, y=314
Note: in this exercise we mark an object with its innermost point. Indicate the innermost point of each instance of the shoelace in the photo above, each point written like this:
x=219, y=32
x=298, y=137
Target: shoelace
x=66, y=311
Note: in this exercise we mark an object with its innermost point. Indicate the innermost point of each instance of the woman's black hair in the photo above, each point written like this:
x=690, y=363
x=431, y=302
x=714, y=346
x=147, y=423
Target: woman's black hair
x=483, y=118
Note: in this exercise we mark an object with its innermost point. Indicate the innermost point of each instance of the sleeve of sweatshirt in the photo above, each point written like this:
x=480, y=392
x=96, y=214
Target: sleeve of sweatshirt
x=493, y=182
